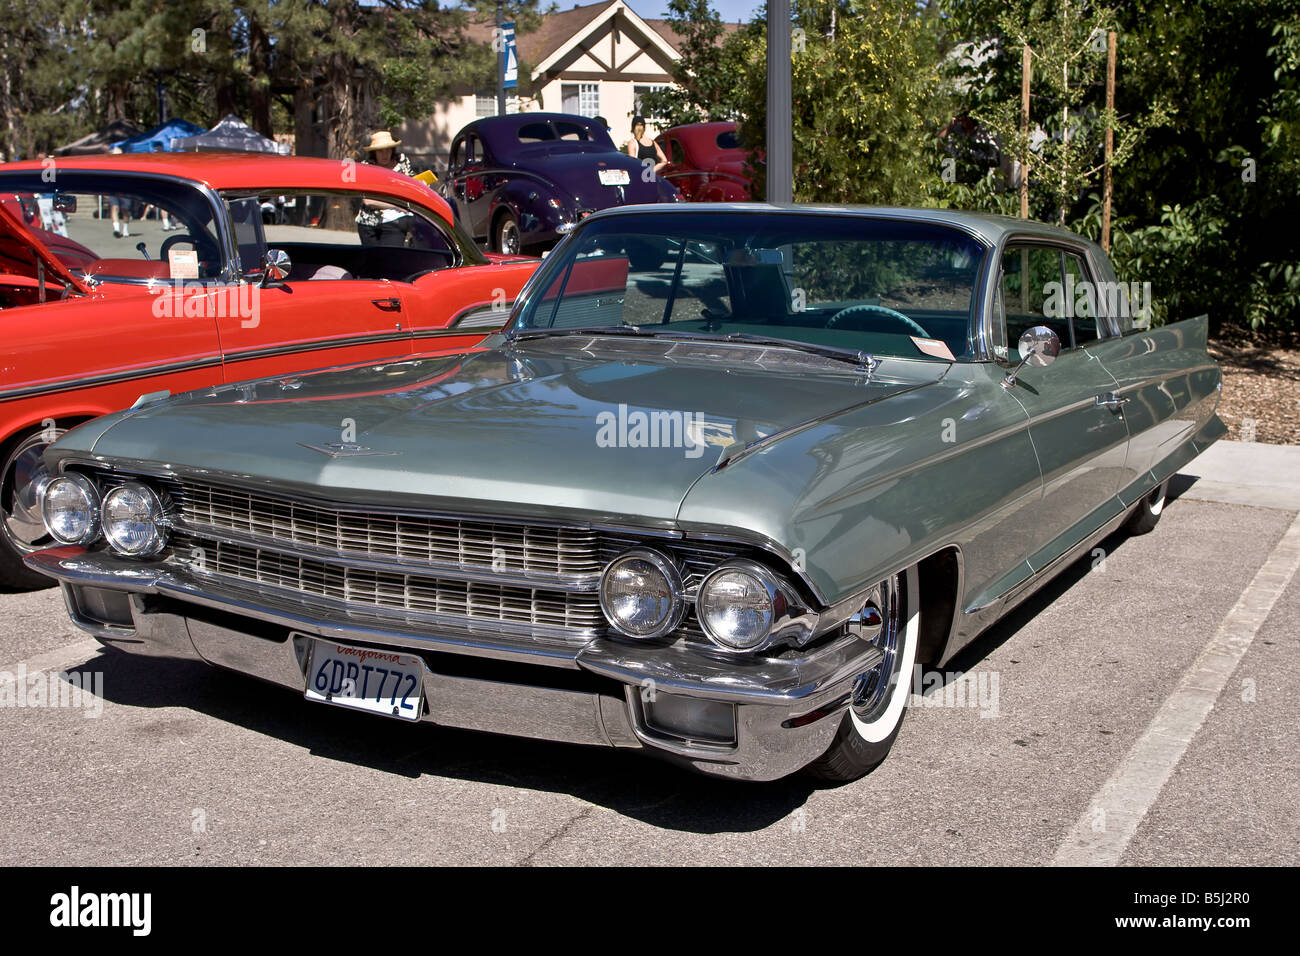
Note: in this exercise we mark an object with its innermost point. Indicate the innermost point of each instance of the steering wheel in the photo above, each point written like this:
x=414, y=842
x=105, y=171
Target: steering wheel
x=880, y=310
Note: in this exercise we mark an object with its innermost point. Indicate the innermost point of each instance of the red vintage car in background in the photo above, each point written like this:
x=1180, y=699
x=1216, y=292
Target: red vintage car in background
x=706, y=162
x=125, y=276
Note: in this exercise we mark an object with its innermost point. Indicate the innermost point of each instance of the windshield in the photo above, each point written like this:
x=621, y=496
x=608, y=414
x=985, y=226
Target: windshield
x=886, y=287
x=117, y=227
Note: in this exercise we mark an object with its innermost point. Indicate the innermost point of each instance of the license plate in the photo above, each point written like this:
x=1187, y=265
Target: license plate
x=381, y=682
x=613, y=177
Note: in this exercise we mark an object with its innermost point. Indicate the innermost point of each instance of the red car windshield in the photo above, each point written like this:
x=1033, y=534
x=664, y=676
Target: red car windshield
x=119, y=228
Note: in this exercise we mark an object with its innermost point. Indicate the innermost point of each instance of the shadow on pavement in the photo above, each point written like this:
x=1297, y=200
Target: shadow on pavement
x=628, y=783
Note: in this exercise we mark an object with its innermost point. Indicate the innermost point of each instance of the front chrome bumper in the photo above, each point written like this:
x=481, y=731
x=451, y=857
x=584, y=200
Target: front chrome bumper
x=606, y=692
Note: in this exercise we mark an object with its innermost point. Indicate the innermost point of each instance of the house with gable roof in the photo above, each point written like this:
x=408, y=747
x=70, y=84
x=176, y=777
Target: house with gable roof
x=594, y=60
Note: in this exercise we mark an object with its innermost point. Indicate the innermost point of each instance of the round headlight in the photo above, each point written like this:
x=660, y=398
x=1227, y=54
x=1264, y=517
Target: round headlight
x=641, y=594
x=737, y=605
x=70, y=509
x=133, y=520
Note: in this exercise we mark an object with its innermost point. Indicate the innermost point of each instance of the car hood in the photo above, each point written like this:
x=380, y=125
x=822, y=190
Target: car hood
x=21, y=252
x=563, y=427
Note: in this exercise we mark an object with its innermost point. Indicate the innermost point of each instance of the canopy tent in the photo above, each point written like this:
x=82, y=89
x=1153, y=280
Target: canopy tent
x=158, y=139
x=99, y=141
x=231, y=134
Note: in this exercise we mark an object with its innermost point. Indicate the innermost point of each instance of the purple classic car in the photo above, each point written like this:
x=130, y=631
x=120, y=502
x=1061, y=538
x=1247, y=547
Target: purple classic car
x=523, y=181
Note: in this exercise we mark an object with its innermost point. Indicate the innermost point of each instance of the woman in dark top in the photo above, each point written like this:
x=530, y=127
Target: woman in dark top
x=644, y=148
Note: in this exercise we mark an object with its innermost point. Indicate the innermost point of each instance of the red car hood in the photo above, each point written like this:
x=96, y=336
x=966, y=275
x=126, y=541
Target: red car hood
x=21, y=251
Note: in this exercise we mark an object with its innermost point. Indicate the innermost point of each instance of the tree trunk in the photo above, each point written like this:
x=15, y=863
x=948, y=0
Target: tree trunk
x=259, y=61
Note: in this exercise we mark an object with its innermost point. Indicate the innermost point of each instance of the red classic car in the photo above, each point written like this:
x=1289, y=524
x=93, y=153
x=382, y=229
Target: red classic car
x=706, y=162
x=124, y=276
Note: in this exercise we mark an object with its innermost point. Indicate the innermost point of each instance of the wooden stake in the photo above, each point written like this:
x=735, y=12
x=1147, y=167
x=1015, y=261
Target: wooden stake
x=1024, y=129
x=1106, y=188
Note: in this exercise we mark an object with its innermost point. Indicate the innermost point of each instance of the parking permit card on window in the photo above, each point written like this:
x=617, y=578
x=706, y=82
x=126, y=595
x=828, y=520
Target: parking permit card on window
x=381, y=682
x=934, y=347
x=183, y=263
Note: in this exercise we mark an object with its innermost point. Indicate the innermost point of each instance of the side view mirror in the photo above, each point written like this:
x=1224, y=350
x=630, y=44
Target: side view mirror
x=65, y=203
x=276, y=266
x=1039, y=347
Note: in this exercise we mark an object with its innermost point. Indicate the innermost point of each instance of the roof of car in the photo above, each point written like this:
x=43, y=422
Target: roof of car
x=986, y=226
x=252, y=171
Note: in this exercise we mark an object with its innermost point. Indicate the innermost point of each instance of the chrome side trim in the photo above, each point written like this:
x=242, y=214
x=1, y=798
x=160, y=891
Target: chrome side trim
x=316, y=345
x=108, y=378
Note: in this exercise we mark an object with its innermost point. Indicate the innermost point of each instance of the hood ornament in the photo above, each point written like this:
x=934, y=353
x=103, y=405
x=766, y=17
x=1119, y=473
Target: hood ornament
x=342, y=449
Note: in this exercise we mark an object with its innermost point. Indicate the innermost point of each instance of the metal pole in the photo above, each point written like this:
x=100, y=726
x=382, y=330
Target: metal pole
x=1025, y=69
x=780, y=135
x=501, y=65
x=1107, y=188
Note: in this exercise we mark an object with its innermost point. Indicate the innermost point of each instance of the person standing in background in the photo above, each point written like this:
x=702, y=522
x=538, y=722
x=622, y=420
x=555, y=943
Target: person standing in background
x=643, y=147
x=385, y=225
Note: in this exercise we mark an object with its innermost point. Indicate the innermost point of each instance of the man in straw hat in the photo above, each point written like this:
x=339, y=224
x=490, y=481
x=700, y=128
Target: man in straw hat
x=385, y=225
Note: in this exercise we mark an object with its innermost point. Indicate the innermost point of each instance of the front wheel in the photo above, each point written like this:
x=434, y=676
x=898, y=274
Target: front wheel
x=891, y=619
x=22, y=531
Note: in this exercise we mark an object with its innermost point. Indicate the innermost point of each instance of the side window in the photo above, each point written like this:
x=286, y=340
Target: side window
x=1079, y=299
x=677, y=154
x=338, y=236
x=246, y=217
x=1033, y=293
x=472, y=151
x=458, y=154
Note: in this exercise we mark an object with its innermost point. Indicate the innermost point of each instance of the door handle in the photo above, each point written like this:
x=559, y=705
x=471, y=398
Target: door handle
x=388, y=305
x=1112, y=401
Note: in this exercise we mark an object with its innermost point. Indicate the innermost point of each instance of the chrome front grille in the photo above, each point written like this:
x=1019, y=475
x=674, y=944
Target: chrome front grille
x=454, y=600
x=464, y=543
x=448, y=570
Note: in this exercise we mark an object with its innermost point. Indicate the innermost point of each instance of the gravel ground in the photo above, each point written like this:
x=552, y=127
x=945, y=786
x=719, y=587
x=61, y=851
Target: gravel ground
x=1261, y=390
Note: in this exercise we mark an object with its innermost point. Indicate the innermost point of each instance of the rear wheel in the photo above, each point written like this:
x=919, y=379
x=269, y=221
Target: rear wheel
x=505, y=236
x=22, y=475
x=892, y=613
x=1147, y=513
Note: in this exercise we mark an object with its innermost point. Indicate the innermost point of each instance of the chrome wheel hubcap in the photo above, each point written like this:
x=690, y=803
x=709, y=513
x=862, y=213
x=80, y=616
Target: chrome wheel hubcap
x=878, y=623
x=509, y=243
x=21, y=483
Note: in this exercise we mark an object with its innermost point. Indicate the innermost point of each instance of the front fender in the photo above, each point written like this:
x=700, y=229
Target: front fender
x=876, y=489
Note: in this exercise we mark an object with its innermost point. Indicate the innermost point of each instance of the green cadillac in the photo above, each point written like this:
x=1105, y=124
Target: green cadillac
x=727, y=477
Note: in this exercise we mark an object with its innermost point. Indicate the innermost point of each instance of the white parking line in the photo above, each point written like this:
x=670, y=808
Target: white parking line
x=1110, y=822
x=61, y=658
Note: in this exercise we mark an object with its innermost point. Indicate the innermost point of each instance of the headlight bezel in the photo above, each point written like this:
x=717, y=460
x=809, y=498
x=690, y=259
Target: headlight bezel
x=158, y=517
x=91, y=490
x=778, y=596
x=672, y=574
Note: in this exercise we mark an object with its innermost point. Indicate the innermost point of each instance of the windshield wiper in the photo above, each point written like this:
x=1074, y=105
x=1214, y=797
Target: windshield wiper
x=523, y=335
x=863, y=360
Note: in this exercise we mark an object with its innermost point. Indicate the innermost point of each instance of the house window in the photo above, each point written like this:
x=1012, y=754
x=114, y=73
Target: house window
x=640, y=90
x=485, y=104
x=580, y=98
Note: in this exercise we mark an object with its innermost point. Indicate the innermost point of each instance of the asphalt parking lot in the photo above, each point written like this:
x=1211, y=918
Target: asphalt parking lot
x=1090, y=751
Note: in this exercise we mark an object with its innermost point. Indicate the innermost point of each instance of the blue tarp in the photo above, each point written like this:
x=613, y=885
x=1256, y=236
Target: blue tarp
x=158, y=139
